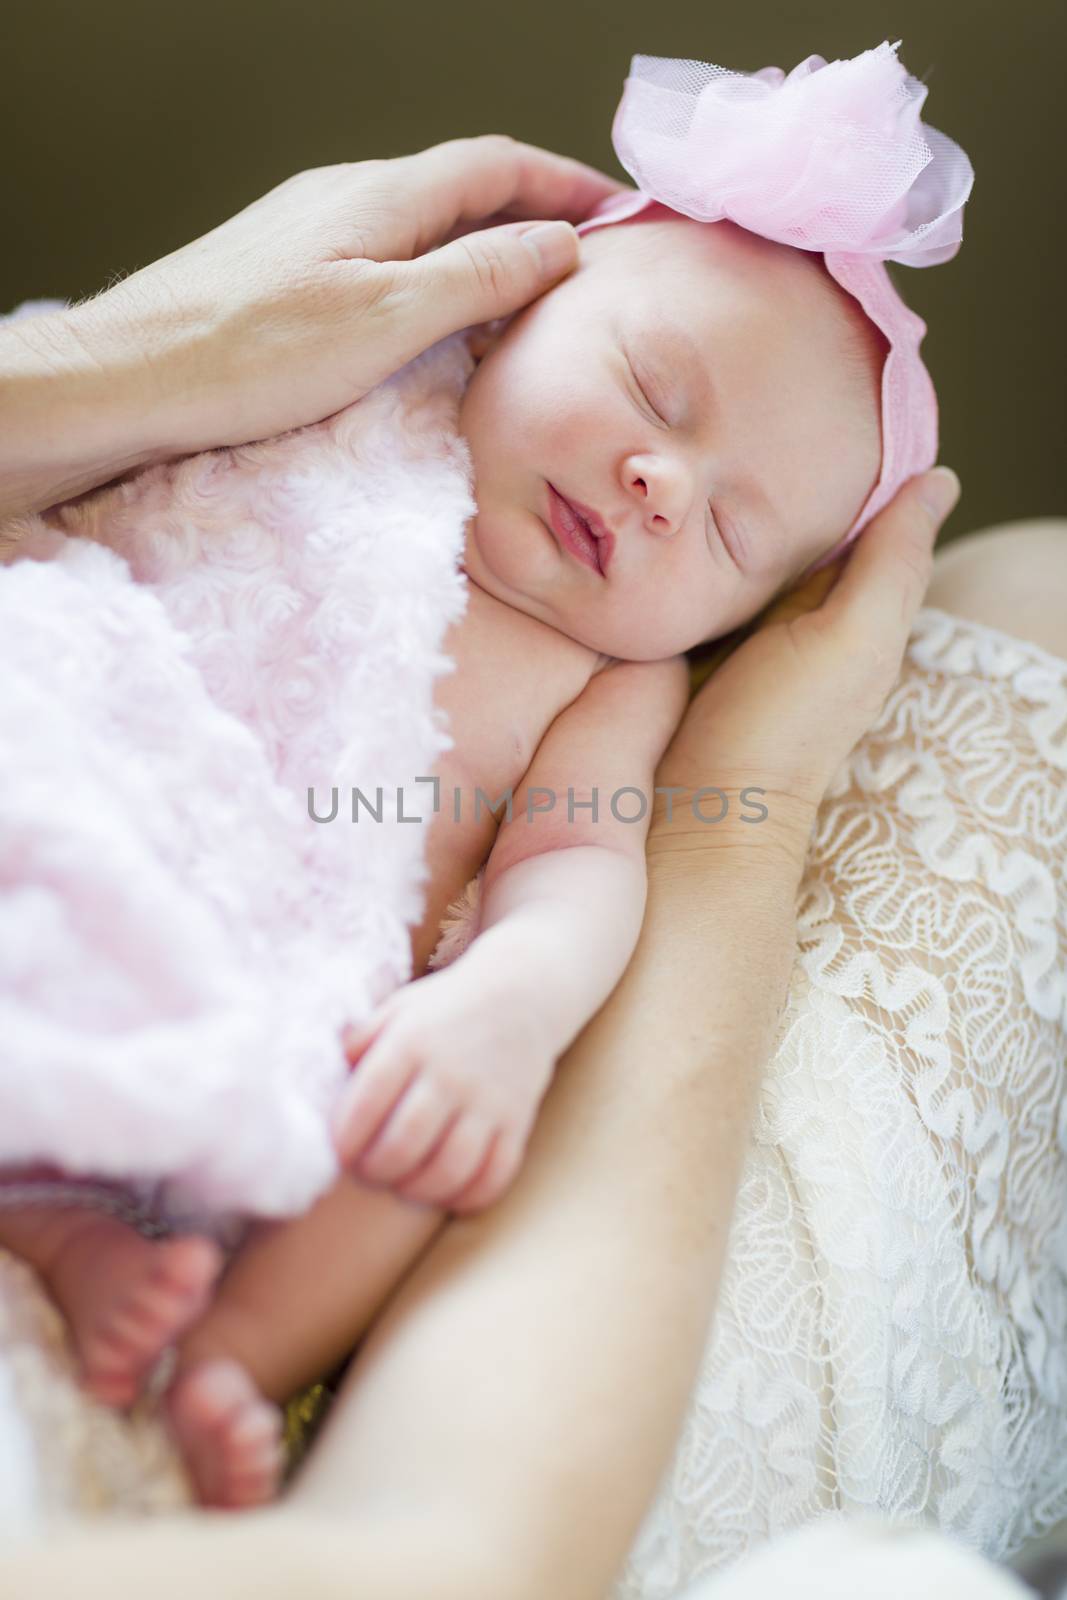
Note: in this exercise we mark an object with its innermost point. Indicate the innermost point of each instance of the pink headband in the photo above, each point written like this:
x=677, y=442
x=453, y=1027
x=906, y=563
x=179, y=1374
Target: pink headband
x=832, y=157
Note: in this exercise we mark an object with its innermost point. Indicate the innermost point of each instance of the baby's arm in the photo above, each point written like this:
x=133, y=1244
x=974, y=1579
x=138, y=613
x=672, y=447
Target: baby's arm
x=441, y=1105
x=563, y=895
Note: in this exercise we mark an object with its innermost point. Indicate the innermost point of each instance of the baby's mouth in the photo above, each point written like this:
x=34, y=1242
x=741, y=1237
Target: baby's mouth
x=573, y=531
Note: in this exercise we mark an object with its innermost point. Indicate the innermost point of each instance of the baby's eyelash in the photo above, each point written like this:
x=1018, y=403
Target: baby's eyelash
x=644, y=395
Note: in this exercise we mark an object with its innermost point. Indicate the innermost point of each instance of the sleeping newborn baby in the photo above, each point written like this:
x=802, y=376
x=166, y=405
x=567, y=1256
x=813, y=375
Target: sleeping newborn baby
x=662, y=444
x=705, y=401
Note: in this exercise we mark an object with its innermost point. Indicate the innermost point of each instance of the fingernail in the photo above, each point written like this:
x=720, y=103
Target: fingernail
x=553, y=243
x=940, y=490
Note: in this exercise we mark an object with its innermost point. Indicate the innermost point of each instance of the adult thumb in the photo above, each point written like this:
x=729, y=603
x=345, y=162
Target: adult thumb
x=939, y=489
x=485, y=275
x=889, y=567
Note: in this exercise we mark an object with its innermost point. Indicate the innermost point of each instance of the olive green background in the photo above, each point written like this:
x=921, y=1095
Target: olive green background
x=131, y=128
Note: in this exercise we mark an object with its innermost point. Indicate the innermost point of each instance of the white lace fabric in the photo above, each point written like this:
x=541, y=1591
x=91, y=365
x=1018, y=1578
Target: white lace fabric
x=891, y=1333
x=891, y=1330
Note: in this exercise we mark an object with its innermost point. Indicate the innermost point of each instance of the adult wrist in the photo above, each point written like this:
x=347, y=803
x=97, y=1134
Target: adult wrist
x=723, y=825
x=86, y=395
x=724, y=923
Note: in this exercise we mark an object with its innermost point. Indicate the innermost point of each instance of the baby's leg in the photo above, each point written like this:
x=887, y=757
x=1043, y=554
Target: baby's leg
x=299, y=1294
x=294, y=1302
x=125, y=1298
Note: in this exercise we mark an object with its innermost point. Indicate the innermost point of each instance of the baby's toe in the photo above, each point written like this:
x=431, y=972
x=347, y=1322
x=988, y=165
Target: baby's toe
x=230, y=1436
x=126, y=1344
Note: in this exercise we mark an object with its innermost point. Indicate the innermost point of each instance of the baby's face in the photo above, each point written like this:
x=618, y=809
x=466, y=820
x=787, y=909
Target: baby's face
x=749, y=453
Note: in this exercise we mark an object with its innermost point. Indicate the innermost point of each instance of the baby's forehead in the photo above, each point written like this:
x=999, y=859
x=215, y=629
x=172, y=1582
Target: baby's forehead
x=673, y=255
x=635, y=271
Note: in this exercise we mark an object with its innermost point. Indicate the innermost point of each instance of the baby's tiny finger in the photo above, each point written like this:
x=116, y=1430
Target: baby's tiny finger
x=356, y=1036
x=408, y=1134
x=493, y=1179
x=455, y=1162
x=366, y=1100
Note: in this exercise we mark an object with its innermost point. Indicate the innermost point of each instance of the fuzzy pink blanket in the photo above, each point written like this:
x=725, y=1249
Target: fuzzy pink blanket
x=183, y=656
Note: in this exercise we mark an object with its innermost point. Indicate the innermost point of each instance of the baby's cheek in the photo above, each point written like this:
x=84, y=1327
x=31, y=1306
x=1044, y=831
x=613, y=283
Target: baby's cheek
x=566, y=433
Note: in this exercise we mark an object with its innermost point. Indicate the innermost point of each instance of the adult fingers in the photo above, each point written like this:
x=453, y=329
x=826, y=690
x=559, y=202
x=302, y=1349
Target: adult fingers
x=476, y=279
x=463, y=182
x=888, y=571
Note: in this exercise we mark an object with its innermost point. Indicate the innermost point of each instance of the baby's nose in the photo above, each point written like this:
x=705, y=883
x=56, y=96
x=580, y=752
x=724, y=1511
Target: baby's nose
x=659, y=505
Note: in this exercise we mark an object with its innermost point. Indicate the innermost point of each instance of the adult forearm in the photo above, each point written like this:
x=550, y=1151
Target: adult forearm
x=650, y=1119
x=86, y=395
x=587, y=1290
x=722, y=903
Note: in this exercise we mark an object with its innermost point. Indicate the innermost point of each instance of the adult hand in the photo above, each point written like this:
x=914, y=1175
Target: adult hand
x=787, y=700
x=286, y=312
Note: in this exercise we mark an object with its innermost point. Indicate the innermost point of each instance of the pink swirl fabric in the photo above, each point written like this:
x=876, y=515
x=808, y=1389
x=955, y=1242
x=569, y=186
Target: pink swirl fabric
x=831, y=157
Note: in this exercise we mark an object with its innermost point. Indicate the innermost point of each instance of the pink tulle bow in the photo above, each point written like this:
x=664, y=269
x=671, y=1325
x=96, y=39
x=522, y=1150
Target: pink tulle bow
x=831, y=156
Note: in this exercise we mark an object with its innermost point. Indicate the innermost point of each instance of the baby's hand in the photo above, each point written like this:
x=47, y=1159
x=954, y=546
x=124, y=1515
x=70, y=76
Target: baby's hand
x=449, y=1069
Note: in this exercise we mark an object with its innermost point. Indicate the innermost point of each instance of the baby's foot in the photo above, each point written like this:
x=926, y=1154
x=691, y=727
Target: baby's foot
x=127, y=1298
x=230, y=1436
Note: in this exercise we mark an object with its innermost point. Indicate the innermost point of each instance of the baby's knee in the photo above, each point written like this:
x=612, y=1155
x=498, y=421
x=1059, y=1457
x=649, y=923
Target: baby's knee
x=1012, y=576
